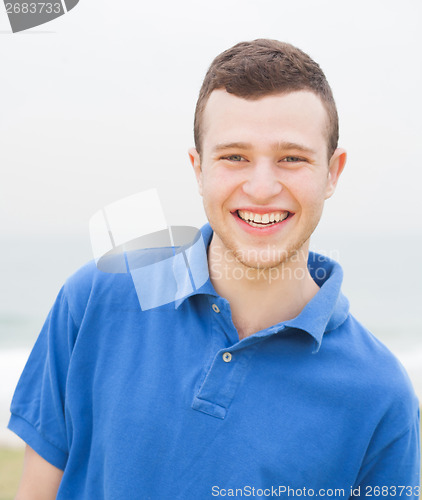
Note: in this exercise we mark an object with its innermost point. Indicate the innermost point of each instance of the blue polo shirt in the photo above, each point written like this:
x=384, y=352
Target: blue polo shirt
x=167, y=403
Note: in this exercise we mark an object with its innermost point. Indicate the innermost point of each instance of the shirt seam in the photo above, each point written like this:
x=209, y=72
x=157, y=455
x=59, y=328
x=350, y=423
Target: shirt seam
x=71, y=314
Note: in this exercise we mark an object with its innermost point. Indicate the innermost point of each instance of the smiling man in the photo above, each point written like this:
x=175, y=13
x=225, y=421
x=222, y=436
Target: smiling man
x=260, y=382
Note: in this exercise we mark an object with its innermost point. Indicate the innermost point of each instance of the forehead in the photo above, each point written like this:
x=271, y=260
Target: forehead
x=295, y=117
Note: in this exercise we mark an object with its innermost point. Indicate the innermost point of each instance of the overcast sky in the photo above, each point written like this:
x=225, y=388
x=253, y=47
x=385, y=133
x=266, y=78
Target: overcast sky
x=98, y=105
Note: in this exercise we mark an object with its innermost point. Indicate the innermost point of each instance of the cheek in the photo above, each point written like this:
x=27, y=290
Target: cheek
x=309, y=192
x=218, y=185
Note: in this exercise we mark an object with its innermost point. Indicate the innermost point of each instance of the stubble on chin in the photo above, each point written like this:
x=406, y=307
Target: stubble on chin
x=228, y=251
x=264, y=258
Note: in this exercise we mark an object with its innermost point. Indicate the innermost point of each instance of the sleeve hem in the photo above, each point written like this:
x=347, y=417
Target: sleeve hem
x=38, y=443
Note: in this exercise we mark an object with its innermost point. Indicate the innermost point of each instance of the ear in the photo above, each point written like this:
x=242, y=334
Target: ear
x=196, y=164
x=336, y=166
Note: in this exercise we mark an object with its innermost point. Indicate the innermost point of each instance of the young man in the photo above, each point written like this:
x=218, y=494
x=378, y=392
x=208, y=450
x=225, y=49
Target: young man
x=259, y=383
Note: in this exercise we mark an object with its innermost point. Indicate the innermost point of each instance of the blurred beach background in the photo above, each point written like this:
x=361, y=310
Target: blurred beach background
x=98, y=105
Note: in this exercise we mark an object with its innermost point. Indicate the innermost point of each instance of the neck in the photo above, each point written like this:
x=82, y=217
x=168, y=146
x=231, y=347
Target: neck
x=260, y=298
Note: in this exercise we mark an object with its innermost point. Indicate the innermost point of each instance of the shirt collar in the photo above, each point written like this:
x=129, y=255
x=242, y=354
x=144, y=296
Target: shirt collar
x=326, y=311
x=329, y=308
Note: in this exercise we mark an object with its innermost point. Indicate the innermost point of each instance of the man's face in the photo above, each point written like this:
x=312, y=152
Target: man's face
x=264, y=173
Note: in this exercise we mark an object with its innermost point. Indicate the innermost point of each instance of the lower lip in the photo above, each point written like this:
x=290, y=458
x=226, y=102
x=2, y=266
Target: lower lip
x=264, y=230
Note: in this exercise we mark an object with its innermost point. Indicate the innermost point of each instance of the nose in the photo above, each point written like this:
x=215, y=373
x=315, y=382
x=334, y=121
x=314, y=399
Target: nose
x=262, y=183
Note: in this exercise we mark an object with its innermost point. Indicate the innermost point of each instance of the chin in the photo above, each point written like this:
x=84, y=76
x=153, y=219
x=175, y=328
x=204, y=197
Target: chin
x=267, y=257
x=261, y=258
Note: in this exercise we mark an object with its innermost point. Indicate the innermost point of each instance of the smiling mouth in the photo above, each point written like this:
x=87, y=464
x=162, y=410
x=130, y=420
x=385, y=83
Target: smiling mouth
x=263, y=220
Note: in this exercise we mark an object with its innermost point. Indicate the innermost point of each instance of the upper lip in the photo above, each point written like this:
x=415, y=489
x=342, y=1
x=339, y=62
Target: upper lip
x=262, y=210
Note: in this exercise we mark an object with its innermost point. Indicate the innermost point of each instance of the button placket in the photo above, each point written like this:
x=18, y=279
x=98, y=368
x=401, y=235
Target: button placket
x=221, y=318
x=222, y=380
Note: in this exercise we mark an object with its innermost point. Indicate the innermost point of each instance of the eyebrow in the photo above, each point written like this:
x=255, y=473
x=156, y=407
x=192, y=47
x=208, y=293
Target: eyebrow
x=279, y=146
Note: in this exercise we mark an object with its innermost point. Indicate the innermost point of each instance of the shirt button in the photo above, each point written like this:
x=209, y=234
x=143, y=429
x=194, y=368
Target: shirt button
x=227, y=357
x=215, y=308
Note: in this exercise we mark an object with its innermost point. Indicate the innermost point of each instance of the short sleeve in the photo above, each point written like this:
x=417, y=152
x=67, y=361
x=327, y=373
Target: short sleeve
x=394, y=468
x=38, y=405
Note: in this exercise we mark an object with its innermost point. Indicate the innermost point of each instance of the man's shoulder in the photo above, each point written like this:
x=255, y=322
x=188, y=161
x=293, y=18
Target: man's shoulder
x=368, y=345
x=377, y=372
x=88, y=277
x=89, y=286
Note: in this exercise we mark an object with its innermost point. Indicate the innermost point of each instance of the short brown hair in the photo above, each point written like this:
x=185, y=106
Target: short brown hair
x=262, y=67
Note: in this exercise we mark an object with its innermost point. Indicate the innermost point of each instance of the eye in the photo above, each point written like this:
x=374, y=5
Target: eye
x=293, y=159
x=233, y=158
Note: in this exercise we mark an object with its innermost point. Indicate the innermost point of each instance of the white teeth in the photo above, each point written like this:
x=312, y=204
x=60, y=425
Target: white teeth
x=257, y=220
